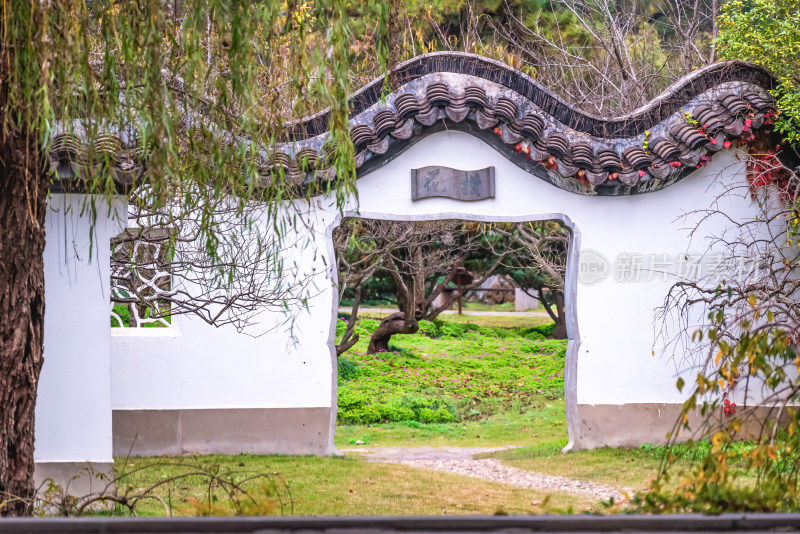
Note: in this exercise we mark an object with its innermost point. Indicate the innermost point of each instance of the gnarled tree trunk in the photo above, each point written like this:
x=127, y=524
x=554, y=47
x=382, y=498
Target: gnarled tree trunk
x=393, y=324
x=23, y=198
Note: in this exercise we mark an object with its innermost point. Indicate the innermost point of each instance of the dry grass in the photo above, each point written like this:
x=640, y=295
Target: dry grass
x=347, y=486
x=624, y=467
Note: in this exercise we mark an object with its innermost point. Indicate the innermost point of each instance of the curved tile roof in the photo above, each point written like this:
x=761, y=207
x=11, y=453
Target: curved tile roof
x=642, y=151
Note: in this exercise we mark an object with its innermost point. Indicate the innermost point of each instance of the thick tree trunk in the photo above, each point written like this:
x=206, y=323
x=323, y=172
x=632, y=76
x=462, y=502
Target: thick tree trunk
x=560, y=331
x=393, y=324
x=350, y=338
x=23, y=198
x=557, y=315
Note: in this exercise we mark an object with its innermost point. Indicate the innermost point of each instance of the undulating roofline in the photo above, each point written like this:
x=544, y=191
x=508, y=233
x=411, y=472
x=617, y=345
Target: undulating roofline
x=642, y=151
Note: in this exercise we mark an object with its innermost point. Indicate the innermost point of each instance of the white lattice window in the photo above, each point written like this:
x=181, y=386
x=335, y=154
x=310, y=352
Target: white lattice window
x=140, y=281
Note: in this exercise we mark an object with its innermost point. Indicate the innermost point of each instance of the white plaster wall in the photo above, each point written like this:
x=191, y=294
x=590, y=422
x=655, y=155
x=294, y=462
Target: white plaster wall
x=195, y=365
x=73, y=407
x=198, y=366
x=615, y=363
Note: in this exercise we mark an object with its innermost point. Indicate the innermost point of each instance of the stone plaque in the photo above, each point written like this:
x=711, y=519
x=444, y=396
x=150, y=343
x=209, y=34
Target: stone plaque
x=452, y=183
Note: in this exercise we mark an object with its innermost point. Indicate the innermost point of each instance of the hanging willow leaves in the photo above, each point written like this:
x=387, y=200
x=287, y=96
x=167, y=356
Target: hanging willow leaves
x=202, y=90
x=183, y=102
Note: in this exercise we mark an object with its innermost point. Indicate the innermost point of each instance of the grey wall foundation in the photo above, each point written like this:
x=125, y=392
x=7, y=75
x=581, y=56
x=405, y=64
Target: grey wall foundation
x=75, y=478
x=631, y=425
x=624, y=425
x=222, y=431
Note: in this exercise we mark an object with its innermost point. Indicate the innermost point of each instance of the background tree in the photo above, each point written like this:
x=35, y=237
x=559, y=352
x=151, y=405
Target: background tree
x=421, y=258
x=767, y=32
x=536, y=259
x=609, y=57
x=358, y=258
x=603, y=57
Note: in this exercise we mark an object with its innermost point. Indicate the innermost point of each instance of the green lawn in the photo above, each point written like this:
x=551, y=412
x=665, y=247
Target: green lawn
x=471, y=306
x=504, y=307
x=480, y=306
x=452, y=384
x=541, y=422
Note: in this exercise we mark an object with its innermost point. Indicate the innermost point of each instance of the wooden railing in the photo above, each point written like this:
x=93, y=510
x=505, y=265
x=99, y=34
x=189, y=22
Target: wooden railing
x=406, y=525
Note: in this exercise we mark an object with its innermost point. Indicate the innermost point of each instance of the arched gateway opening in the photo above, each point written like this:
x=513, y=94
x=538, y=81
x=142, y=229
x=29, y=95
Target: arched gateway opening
x=436, y=261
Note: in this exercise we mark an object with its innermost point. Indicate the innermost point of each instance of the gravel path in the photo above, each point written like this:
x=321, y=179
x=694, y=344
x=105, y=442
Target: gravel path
x=460, y=460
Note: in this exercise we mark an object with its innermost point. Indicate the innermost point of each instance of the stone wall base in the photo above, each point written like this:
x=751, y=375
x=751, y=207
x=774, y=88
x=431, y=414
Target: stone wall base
x=631, y=425
x=75, y=478
x=308, y=430
x=223, y=431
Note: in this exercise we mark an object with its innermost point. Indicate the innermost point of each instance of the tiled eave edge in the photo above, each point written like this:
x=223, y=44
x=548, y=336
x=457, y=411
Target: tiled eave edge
x=525, y=122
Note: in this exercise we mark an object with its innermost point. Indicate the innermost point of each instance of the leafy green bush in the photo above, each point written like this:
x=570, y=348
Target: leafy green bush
x=123, y=312
x=348, y=369
x=767, y=32
x=428, y=409
x=341, y=326
x=556, y=347
x=357, y=409
x=545, y=331
x=429, y=329
x=366, y=327
x=452, y=330
x=535, y=336
x=354, y=407
x=457, y=329
x=498, y=332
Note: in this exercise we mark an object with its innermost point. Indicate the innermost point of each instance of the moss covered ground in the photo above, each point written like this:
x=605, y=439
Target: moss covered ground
x=450, y=373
